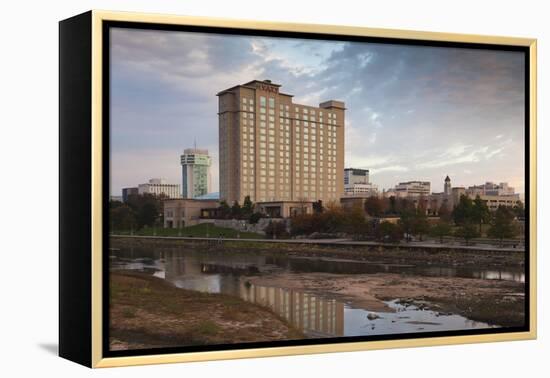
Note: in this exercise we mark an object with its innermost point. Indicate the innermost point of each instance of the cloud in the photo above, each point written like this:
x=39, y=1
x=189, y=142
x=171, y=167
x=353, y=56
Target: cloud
x=413, y=112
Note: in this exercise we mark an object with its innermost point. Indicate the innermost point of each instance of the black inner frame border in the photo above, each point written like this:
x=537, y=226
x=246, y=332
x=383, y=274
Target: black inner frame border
x=107, y=25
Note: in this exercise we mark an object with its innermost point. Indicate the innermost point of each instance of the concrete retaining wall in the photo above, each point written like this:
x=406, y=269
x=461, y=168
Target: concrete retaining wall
x=242, y=225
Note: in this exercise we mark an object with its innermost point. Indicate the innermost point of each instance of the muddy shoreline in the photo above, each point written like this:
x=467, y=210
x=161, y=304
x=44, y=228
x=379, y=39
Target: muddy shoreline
x=149, y=312
x=498, y=303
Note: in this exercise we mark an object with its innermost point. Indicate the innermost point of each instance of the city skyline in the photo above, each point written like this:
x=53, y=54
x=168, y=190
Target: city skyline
x=414, y=113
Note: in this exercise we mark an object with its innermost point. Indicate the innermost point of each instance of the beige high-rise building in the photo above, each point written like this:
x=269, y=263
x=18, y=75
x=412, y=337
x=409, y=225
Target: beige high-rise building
x=275, y=150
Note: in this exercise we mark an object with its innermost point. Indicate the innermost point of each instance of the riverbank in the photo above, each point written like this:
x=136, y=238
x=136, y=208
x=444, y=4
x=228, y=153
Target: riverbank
x=149, y=312
x=498, y=303
x=372, y=253
x=411, y=246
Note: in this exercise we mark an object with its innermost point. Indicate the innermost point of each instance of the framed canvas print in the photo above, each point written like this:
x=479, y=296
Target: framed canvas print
x=235, y=189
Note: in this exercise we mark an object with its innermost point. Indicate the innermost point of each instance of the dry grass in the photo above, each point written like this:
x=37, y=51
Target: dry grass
x=148, y=312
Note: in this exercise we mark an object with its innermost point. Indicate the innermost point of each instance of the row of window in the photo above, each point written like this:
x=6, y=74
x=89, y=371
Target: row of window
x=286, y=134
x=269, y=196
x=270, y=102
x=307, y=190
x=248, y=101
x=285, y=124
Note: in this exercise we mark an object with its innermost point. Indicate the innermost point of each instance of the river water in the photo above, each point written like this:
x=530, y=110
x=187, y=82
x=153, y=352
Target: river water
x=316, y=314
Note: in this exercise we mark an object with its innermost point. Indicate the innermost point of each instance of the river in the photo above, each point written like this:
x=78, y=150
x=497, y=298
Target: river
x=315, y=314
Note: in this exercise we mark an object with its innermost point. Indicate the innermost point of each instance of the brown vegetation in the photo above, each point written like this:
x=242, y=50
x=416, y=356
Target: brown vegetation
x=148, y=312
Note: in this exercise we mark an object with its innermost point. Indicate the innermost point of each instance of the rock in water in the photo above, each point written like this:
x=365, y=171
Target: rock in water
x=372, y=316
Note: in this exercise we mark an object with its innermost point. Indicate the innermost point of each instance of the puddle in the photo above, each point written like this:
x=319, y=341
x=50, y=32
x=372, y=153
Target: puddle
x=316, y=315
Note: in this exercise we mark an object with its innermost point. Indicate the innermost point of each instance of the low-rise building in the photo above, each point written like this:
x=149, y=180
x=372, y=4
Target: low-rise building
x=352, y=202
x=494, y=201
x=185, y=212
x=356, y=176
x=356, y=183
x=127, y=192
x=493, y=195
x=491, y=189
x=354, y=190
x=284, y=209
x=160, y=187
x=412, y=189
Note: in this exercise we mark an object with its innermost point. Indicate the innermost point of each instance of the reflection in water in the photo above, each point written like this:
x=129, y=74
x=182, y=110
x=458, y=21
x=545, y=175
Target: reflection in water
x=315, y=314
x=341, y=266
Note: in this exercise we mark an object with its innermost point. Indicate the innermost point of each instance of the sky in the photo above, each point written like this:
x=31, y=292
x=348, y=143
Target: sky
x=413, y=112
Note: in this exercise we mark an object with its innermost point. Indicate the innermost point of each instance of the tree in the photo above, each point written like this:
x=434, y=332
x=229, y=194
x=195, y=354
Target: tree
x=393, y=205
x=480, y=212
x=406, y=223
x=318, y=207
x=374, y=206
x=224, y=210
x=414, y=222
x=122, y=218
x=236, y=210
x=254, y=218
x=420, y=224
x=519, y=210
x=463, y=212
x=354, y=222
x=440, y=230
x=113, y=204
x=422, y=205
x=405, y=204
x=147, y=208
x=502, y=226
x=148, y=215
x=467, y=231
x=332, y=220
x=444, y=213
x=302, y=224
x=248, y=207
x=275, y=230
x=388, y=232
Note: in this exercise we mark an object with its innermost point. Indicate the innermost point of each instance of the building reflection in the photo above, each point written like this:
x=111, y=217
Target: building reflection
x=315, y=316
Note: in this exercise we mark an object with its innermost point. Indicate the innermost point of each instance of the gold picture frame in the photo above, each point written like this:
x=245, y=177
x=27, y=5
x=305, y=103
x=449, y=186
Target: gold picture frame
x=90, y=26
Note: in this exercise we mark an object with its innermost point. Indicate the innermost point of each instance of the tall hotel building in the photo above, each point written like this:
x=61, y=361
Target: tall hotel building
x=275, y=150
x=195, y=172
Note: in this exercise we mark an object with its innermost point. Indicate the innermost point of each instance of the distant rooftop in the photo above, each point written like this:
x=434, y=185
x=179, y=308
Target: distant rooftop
x=213, y=195
x=201, y=151
x=266, y=84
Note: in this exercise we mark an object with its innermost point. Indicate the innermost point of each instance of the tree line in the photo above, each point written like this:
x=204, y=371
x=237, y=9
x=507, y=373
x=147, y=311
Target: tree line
x=139, y=211
x=236, y=211
x=465, y=220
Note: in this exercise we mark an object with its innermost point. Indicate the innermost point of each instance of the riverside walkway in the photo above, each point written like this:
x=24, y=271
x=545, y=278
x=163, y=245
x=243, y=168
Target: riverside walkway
x=414, y=245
